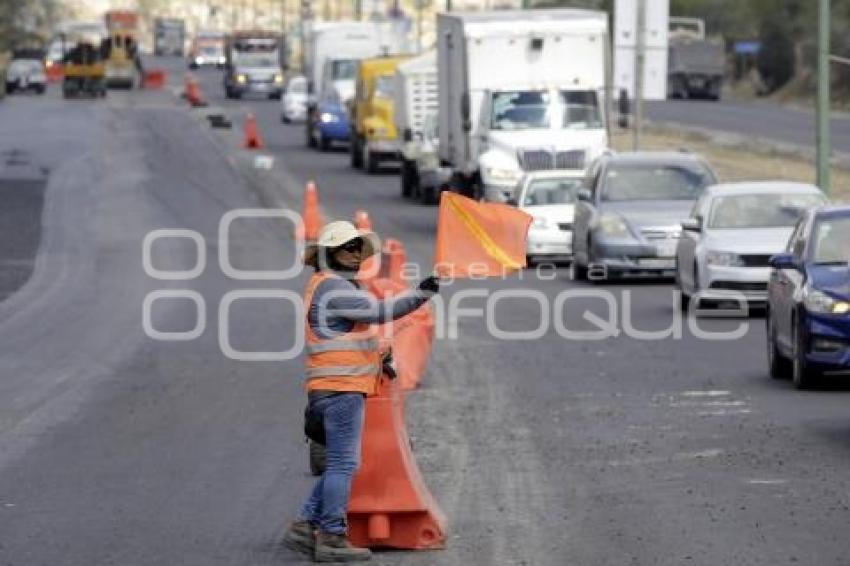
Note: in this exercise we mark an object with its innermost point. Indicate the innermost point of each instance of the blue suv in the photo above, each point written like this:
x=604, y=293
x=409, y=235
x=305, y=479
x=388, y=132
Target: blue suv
x=808, y=318
x=327, y=123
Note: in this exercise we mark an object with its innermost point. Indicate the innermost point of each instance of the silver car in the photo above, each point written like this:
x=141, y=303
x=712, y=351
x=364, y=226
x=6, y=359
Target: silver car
x=628, y=218
x=733, y=231
x=293, y=104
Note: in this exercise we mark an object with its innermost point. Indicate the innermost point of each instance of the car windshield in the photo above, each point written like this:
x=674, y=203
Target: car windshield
x=343, y=69
x=542, y=192
x=655, y=181
x=257, y=59
x=832, y=241
x=520, y=110
x=581, y=110
x=384, y=86
x=761, y=210
x=25, y=65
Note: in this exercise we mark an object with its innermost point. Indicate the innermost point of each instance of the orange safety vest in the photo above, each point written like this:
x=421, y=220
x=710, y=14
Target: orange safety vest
x=348, y=362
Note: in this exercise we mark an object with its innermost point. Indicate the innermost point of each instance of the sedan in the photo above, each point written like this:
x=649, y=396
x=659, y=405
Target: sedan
x=26, y=74
x=293, y=104
x=808, y=316
x=549, y=197
x=628, y=218
x=733, y=231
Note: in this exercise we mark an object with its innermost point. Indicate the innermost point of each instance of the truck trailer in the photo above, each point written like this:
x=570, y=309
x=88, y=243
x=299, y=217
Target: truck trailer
x=520, y=91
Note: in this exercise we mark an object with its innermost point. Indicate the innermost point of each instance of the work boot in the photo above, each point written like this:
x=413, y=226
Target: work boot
x=336, y=548
x=301, y=537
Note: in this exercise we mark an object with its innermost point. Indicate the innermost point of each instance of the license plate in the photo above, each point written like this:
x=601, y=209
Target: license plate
x=655, y=263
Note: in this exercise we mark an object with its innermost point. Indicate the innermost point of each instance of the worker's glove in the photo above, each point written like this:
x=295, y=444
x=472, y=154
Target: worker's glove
x=388, y=365
x=430, y=285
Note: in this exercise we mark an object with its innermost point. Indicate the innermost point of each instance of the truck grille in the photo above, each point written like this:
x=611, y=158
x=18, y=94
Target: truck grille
x=543, y=160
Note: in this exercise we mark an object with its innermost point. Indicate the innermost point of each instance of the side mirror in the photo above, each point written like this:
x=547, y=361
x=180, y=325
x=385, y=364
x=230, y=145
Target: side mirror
x=584, y=195
x=784, y=261
x=692, y=225
x=623, y=109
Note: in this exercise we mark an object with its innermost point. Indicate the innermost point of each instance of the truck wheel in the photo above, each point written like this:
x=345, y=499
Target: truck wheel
x=354, y=151
x=427, y=195
x=311, y=141
x=317, y=458
x=406, y=179
x=324, y=143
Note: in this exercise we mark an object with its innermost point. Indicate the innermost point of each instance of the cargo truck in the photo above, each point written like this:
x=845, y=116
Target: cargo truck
x=695, y=64
x=169, y=37
x=254, y=64
x=416, y=104
x=331, y=52
x=520, y=91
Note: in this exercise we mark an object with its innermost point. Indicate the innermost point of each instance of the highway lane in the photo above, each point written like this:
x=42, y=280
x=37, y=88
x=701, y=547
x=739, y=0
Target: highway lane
x=623, y=450
x=115, y=448
x=795, y=126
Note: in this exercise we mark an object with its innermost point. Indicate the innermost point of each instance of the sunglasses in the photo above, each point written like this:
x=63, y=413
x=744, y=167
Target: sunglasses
x=352, y=246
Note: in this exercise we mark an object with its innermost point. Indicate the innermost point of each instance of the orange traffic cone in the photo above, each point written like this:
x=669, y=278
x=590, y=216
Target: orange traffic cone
x=252, y=133
x=362, y=221
x=192, y=92
x=390, y=505
x=311, y=218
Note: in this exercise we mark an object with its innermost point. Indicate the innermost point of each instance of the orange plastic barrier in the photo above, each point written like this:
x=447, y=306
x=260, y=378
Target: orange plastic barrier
x=312, y=220
x=155, y=78
x=390, y=505
x=55, y=72
x=252, y=133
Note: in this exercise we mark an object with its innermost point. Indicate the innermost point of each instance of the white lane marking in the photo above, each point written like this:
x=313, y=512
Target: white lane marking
x=679, y=457
x=708, y=404
x=722, y=413
x=707, y=393
x=766, y=482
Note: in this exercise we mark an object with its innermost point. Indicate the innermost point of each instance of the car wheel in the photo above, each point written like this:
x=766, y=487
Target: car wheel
x=284, y=119
x=406, y=179
x=324, y=143
x=579, y=271
x=803, y=375
x=317, y=458
x=779, y=366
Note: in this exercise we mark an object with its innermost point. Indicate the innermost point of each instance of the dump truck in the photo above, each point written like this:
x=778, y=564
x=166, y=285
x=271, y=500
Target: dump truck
x=695, y=64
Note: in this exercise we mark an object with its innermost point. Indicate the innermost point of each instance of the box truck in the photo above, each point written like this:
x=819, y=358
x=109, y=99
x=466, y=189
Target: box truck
x=520, y=91
x=254, y=64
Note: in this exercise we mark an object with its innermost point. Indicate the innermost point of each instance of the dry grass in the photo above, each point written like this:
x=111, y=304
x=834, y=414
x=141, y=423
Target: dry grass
x=738, y=162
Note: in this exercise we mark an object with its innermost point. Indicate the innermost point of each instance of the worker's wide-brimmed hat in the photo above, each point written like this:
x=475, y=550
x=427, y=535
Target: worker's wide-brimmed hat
x=338, y=233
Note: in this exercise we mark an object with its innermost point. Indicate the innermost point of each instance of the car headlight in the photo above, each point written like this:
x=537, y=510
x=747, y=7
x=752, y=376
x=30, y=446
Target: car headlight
x=278, y=79
x=241, y=79
x=498, y=174
x=614, y=225
x=539, y=222
x=199, y=60
x=727, y=259
x=222, y=60
x=821, y=303
x=327, y=118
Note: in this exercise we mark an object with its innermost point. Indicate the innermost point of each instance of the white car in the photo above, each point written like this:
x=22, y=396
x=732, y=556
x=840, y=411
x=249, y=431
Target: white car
x=294, y=101
x=550, y=197
x=734, y=230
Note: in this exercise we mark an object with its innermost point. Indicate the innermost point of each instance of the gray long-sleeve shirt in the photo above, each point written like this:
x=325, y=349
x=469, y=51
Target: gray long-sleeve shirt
x=338, y=304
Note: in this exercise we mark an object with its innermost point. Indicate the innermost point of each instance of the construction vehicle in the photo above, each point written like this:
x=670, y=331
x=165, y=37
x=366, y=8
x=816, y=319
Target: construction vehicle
x=373, y=133
x=695, y=64
x=83, y=62
x=123, y=63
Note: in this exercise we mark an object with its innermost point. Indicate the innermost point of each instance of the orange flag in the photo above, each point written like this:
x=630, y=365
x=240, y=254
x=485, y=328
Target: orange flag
x=479, y=239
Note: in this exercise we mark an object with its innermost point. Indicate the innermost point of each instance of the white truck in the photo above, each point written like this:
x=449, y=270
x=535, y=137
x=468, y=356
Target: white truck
x=331, y=50
x=520, y=91
x=416, y=104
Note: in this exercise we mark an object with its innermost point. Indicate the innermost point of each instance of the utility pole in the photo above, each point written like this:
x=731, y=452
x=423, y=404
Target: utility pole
x=526, y=4
x=358, y=10
x=640, y=56
x=448, y=5
x=823, y=142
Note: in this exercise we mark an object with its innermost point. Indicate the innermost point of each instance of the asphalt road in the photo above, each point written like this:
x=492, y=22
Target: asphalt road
x=119, y=449
x=793, y=126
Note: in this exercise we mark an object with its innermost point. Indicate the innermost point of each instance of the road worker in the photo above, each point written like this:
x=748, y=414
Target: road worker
x=343, y=364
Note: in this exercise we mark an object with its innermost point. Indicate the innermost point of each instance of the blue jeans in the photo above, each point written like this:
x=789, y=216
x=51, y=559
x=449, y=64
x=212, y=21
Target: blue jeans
x=343, y=416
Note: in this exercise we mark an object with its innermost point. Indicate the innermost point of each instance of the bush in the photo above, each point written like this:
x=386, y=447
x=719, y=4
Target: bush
x=775, y=60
